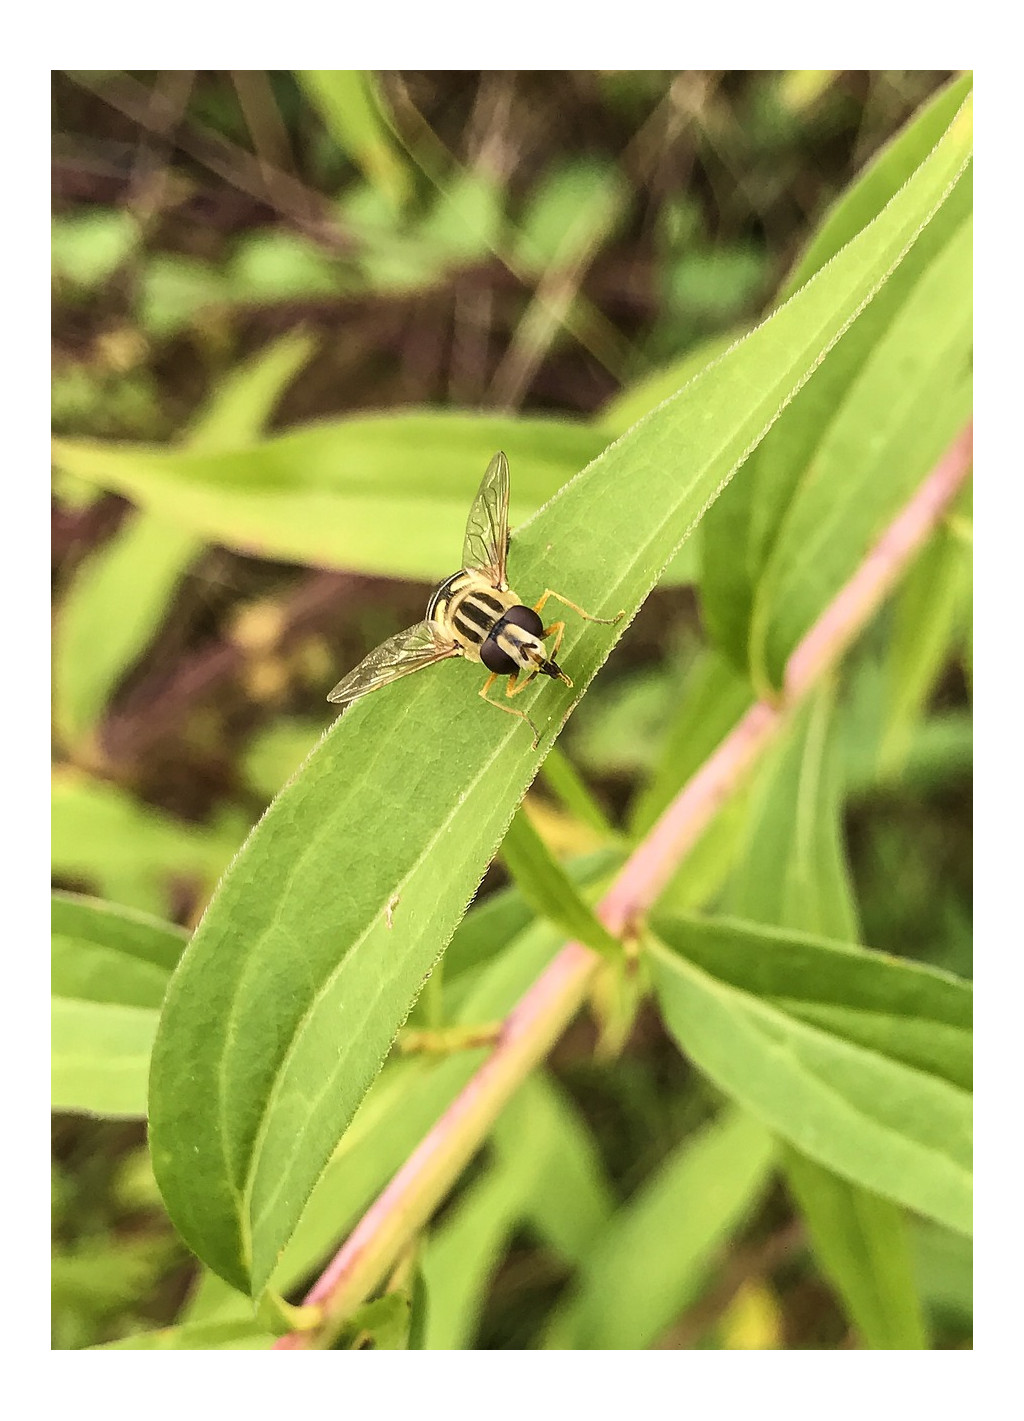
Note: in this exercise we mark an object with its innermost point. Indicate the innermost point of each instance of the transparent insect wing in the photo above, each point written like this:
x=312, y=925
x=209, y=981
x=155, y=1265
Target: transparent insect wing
x=400, y=655
x=486, y=545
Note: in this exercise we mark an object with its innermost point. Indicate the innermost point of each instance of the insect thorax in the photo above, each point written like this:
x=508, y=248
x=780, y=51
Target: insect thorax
x=468, y=609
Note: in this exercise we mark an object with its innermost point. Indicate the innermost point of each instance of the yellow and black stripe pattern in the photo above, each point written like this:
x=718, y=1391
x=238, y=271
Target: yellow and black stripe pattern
x=468, y=609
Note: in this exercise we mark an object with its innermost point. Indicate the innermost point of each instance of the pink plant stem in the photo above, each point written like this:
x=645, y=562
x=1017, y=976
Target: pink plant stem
x=539, y=1017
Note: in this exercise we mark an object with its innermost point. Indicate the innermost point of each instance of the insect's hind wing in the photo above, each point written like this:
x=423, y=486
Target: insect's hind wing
x=400, y=655
x=486, y=546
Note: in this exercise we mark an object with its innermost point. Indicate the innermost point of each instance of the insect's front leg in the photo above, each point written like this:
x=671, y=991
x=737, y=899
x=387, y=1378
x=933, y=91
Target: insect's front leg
x=515, y=685
x=550, y=592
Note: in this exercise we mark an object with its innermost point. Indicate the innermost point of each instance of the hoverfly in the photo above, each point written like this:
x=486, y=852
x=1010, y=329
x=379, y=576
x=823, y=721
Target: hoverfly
x=475, y=614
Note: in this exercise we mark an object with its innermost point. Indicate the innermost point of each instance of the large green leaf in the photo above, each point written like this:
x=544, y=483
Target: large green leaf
x=651, y=1260
x=319, y=938
x=852, y=1092
x=407, y=1098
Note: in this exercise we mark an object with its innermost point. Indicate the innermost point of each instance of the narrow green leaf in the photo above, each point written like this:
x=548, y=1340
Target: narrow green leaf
x=793, y=872
x=109, y=973
x=881, y=180
x=927, y=751
x=944, y=1266
x=914, y=393
x=381, y=494
x=902, y=1010
x=711, y=700
x=347, y=104
x=242, y=402
x=651, y=1261
x=108, y=615
x=296, y=981
x=462, y=1254
x=548, y=890
x=563, y=778
x=491, y=925
x=740, y=534
x=699, y=878
x=544, y=1169
x=567, y=1199
x=99, y=1055
x=128, y=849
x=872, y=1119
x=381, y=1325
x=862, y=1243
x=927, y=616
x=234, y=1336
x=102, y=952
x=120, y=594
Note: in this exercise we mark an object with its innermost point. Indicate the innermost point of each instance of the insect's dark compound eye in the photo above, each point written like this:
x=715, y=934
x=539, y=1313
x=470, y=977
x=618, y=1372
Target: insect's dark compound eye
x=526, y=618
x=495, y=659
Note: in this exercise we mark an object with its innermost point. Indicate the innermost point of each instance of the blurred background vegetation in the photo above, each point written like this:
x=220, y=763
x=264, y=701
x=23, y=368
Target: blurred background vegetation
x=237, y=253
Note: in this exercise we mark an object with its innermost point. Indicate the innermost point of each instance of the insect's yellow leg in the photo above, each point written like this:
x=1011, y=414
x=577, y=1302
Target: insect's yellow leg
x=510, y=709
x=515, y=685
x=559, y=630
x=550, y=592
